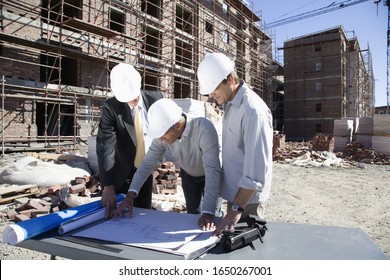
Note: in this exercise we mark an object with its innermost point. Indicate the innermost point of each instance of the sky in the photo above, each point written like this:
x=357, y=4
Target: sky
x=366, y=20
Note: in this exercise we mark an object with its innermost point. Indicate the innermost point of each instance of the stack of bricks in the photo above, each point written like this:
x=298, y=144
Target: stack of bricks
x=45, y=202
x=165, y=179
x=358, y=152
x=279, y=144
x=323, y=142
x=48, y=200
x=87, y=186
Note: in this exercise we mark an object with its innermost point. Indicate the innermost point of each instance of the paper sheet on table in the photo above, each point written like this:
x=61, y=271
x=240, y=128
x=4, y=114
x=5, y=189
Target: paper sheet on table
x=150, y=229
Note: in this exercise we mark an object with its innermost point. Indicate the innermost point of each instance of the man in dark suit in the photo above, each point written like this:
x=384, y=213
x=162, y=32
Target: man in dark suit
x=116, y=144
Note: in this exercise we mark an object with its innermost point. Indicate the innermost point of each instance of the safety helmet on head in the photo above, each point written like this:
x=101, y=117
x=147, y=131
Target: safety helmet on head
x=213, y=69
x=125, y=82
x=162, y=115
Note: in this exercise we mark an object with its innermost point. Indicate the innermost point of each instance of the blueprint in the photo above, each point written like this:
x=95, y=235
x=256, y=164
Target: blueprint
x=158, y=230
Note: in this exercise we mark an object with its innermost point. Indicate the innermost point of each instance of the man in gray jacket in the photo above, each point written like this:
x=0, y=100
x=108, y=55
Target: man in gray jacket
x=195, y=144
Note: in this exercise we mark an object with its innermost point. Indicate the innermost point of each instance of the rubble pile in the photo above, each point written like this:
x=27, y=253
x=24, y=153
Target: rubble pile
x=323, y=142
x=279, y=143
x=354, y=152
x=357, y=152
x=20, y=203
x=289, y=150
x=23, y=205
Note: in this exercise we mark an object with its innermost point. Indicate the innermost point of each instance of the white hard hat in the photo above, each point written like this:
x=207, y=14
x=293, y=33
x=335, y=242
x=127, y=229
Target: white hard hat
x=214, y=68
x=162, y=115
x=125, y=82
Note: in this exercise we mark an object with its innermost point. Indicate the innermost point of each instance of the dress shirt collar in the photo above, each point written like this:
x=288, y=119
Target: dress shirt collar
x=237, y=99
x=140, y=104
x=185, y=132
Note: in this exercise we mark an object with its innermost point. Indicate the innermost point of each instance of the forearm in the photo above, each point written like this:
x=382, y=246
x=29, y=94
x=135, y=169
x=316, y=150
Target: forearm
x=145, y=169
x=243, y=196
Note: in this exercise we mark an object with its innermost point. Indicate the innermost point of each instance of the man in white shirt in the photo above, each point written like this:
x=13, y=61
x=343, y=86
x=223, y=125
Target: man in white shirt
x=247, y=139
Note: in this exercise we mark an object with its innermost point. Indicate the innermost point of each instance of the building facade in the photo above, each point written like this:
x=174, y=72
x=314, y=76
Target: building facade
x=56, y=56
x=327, y=77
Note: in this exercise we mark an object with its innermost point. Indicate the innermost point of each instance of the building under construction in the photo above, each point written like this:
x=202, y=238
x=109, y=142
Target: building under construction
x=56, y=55
x=326, y=77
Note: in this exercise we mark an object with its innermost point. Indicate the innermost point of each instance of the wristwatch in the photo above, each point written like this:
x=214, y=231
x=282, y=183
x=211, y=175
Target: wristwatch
x=237, y=208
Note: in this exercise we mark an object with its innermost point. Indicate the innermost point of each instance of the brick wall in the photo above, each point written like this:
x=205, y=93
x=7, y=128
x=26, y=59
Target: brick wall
x=18, y=118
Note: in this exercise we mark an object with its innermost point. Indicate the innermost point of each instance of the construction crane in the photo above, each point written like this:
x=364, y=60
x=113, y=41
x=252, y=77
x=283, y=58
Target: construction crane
x=335, y=6
x=330, y=8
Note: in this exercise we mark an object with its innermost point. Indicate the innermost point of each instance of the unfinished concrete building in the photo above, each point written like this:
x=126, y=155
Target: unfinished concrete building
x=327, y=77
x=56, y=55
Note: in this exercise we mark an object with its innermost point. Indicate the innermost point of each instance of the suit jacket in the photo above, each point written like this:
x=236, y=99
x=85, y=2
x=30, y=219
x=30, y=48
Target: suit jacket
x=115, y=141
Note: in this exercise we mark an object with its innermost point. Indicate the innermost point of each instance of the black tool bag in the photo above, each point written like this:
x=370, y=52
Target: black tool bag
x=243, y=235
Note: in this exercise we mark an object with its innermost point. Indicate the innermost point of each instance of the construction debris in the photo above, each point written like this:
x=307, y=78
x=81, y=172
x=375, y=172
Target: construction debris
x=301, y=152
x=26, y=202
x=279, y=143
x=30, y=170
x=16, y=191
x=358, y=152
x=323, y=142
x=30, y=201
x=52, y=156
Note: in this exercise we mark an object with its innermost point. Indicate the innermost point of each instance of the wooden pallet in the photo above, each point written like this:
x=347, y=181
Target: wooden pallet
x=51, y=156
x=13, y=192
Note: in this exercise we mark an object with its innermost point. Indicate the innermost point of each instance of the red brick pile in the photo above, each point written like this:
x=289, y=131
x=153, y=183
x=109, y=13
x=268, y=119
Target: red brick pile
x=354, y=152
x=357, y=152
x=165, y=179
x=47, y=200
x=323, y=142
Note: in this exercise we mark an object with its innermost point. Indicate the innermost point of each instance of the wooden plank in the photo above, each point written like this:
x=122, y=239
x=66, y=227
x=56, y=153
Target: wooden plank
x=13, y=192
x=51, y=156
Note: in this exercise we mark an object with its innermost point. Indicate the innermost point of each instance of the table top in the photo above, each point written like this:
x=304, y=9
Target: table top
x=282, y=241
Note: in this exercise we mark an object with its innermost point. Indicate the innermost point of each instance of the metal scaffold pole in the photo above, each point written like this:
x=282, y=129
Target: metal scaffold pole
x=2, y=115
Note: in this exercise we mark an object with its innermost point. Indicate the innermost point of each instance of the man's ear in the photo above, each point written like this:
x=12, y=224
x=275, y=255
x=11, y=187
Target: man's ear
x=230, y=79
x=179, y=125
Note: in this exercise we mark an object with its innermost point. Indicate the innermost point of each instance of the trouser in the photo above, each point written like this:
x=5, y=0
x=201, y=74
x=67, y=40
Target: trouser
x=144, y=197
x=257, y=209
x=193, y=189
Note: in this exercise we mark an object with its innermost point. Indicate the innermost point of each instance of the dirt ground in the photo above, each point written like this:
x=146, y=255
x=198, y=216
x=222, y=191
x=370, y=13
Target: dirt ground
x=349, y=196
x=355, y=197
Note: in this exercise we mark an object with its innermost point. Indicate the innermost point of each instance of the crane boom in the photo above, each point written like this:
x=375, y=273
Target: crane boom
x=330, y=8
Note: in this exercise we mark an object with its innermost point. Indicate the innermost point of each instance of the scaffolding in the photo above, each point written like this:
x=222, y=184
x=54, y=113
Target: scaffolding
x=56, y=57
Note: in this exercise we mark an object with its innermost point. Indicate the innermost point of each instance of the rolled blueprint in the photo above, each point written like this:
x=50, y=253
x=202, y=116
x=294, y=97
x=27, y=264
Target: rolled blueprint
x=81, y=221
x=16, y=233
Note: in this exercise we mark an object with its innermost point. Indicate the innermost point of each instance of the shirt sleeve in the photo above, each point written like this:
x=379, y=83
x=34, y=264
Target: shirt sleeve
x=154, y=154
x=257, y=132
x=209, y=145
